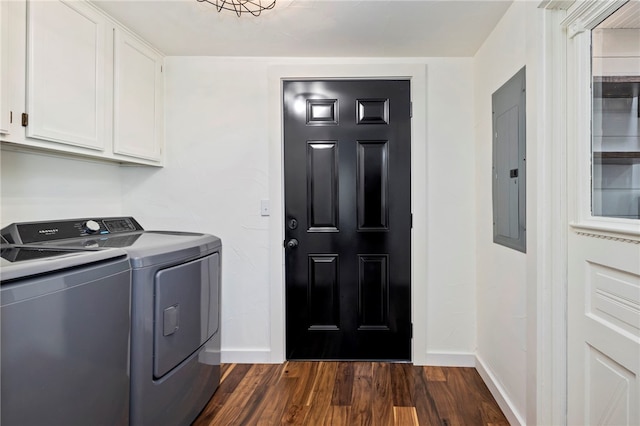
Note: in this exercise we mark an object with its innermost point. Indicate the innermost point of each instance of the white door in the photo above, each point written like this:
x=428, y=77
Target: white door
x=603, y=380
x=604, y=331
x=65, y=73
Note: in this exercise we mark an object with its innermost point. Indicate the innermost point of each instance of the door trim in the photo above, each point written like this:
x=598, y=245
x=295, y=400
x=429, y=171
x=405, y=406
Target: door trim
x=417, y=74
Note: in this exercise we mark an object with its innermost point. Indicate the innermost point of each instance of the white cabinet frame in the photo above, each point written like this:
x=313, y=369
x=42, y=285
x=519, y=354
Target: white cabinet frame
x=137, y=112
x=72, y=52
x=77, y=82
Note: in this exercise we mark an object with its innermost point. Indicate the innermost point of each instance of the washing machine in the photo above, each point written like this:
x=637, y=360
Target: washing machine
x=175, y=310
x=64, y=336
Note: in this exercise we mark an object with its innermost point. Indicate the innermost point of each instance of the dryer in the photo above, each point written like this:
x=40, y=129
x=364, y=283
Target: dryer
x=175, y=310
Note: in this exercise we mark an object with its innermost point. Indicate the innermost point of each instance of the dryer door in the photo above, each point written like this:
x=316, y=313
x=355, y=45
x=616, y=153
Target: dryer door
x=186, y=310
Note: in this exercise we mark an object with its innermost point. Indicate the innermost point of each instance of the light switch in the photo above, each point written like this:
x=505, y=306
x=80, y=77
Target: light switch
x=264, y=207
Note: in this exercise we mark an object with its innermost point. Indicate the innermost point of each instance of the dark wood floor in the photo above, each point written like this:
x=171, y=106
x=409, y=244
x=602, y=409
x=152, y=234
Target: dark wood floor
x=350, y=393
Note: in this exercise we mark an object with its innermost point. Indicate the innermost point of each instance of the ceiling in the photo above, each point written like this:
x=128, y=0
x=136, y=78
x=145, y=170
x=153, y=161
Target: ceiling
x=627, y=17
x=314, y=28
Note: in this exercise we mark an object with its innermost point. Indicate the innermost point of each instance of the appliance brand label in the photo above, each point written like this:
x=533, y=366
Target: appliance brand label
x=52, y=231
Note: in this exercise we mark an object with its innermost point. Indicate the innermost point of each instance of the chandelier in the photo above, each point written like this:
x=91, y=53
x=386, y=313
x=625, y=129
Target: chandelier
x=254, y=7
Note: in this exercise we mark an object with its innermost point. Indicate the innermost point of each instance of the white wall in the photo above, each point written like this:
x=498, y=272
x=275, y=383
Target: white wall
x=36, y=186
x=218, y=170
x=505, y=301
x=216, y=173
x=451, y=219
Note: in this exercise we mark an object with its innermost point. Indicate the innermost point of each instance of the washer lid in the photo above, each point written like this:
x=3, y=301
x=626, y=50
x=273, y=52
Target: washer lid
x=18, y=261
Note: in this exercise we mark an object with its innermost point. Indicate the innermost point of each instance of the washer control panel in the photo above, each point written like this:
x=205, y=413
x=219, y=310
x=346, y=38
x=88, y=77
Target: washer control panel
x=40, y=232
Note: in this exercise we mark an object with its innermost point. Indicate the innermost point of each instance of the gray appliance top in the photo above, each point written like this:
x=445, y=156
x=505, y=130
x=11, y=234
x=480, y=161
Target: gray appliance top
x=55, y=230
x=145, y=248
x=18, y=262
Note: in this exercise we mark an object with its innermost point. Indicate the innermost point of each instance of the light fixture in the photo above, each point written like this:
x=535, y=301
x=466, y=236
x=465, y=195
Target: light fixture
x=254, y=7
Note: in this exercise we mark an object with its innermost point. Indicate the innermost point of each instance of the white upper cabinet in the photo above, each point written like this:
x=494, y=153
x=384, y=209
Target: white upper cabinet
x=5, y=112
x=66, y=73
x=137, y=129
x=76, y=81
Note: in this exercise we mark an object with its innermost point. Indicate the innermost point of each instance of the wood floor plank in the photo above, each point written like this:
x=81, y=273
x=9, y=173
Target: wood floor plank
x=468, y=403
x=276, y=401
x=434, y=374
x=298, y=368
x=225, y=370
x=381, y=394
x=337, y=415
x=446, y=404
x=295, y=414
x=232, y=375
x=401, y=384
x=405, y=416
x=492, y=415
x=382, y=398
x=362, y=394
x=235, y=404
x=426, y=409
x=305, y=375
x=320, y=397
x=254, y=407
x=490, y=412
x=344, y=384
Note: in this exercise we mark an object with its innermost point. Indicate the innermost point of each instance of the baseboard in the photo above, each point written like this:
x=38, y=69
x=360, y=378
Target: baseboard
x=246, y=356
x=505, y=404
x=449, y=359
x=264, y=356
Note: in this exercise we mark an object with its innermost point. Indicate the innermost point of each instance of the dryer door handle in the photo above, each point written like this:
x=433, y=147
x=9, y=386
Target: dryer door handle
x=171, y=320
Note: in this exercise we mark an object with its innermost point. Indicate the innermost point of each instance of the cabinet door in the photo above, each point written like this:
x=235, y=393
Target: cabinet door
x=4, y=68
x=138, y=88
x=65, y=73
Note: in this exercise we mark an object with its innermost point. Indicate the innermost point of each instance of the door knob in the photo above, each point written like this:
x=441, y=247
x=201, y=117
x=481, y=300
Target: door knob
x=292, y=243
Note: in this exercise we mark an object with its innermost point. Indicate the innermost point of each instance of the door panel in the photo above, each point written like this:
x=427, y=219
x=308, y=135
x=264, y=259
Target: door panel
x=324, y=305
x=372, y=185
x=65, y=73
x=347, y=152
x=373, y=291
x=604, y=331
x=322, y=186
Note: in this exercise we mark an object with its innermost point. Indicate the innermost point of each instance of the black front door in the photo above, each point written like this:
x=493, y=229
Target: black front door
x=347, y=160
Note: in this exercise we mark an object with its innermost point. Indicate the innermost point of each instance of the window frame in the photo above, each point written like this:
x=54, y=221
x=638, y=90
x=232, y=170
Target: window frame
x=581, y=19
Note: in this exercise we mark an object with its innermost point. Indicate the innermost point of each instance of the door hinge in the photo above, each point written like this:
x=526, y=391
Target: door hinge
x=25, y=119
x=410, y=109
x=411, y=220
x=10, y=117
x=411, y=332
